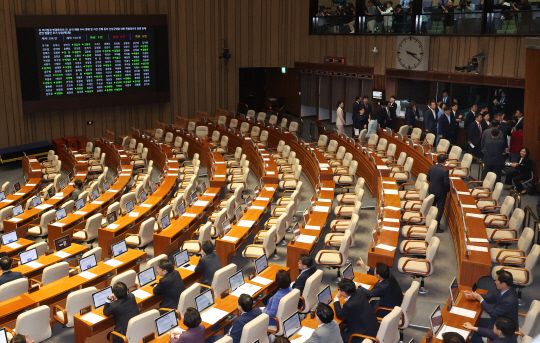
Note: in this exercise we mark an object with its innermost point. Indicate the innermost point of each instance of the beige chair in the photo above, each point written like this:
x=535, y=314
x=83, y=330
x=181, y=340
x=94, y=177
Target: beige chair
x=419, y=231
x=463, y=168
x=244, y=129
x=408, y=307
x=165, y=211
x=341, y=223
x=128, y=278
x=52, y=273
x=513, y=256
x=144, y=236
x=417, y=244
x=510, y=229
x=255, y=330
x=90, y=232
x=491, y=219
x=5, y=213
x=42, y=230
x=195, y=246
x=262, y=142
x=382, y=144
x=168, y=139
x=346, y=209
x=140, y=161
x=220, y=283
x=321, y=143
x=35, y=323
x=415, y=203
x=114, y=207
x=187, y=298
x=75, y=302
x=337, y=160
x=188, y=167
x=51, y=172
x=390, y=153
x=487, y=186
x=388, y=329
x=267, y=247
x=418, y=216
x=153, y=262
x=486, y=205
x=442, y=147
x=404, y=174
x=453, y=156
x=13, y=288
x=293, y=128
x=97, y=166
x=288, y=305
x=291, y=178
x=261, y=116
x=531, y=326
x=68, y=206
x=331, y=149
x=398, y=164
x=335, y=259
x=201, y=132
x=95, y=251
x=255, y=133
x=273, y=119
x=191, y=126
x=279, y=150
x=333, y=239
x=214, y=140
x=412, y=193
x=361, y=138
x=138, y=327
x=311, y=289
x=222, y=147
x=182, y=154
x=124, y=200
x=238, y=181
x=372, y=142
x=403, y=130
x=250, y=114
x=283, y=123
x=177, y=146
x=429, y=141
x=40, y=247
x=420, y=267
x=158, y=134
x=233, y=124
x=348, y=178
x=222, y=120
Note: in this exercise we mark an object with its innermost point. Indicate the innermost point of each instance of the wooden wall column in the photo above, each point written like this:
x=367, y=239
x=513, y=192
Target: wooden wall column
x=531, y=118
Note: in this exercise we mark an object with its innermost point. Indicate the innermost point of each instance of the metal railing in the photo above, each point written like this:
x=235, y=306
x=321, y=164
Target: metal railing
x=517, y=197
x=531, y=217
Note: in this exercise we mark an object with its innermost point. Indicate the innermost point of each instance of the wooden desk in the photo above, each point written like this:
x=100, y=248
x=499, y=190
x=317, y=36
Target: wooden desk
x=32, y=167
x=26, y=192
x=154, y=152
x=274, y=135
x=183, y=227
x=227, y=249
x=69, y=161
x=86, y=331
x=311, y=161
x=24, y=243
x=113, y=159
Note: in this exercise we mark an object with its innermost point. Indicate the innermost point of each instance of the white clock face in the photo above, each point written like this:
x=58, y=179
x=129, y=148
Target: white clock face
x=410, y=53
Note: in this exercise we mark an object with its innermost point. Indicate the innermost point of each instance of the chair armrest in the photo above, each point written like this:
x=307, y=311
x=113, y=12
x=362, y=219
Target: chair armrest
x=114, y=333
x=36, y=282
x=416, y=260
x=342, y=175
x=412, y=230
x=210, y=288
x=527, y=274
x=473, y=181
x=255, y=246
x=80, y=230
x=134, y=235
x=57, y=308
x=503, y=240
x=330, y=252
x=277, y=325
x=193, y=242
x=499, y=220
x=363, y=336
x=522, y=256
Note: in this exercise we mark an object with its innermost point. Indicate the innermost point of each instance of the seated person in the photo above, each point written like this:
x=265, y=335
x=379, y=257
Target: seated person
x=246, y=314
x=209, y=263
x=305, y=264
x=356, y=311
x=503, y=331
x=170, y=285
x=122, y=306
x=7, y=274
x=283, y=281
x=20, y=339
x=387, y=289
x=328, y=329
x=195, y=330
x=452, y=337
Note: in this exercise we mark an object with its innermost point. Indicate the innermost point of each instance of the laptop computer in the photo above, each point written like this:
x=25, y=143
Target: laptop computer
x=36, y=201
x=62, y=243
x=2, y=196
x=130, y=206
x=95, y=194
x=119, y=248
x=204, y=301
x=153, y=186
x=239, y=214
x=454, y=291
x=111, y=217
x=146, y=276
x=28, y=256
x=62, y=184
x=17, y=210
x=348, y=272
x=61, y=214
x=26, y=178
x=226, y=227
x=17, y=186
x=261, y=182
x=181, y=209
x=248, y=203
x=292, y=325
x=236, y=280
x=106, y=186
x=3, y=336
x=9, y=237
x=166, y=322
x=51, y=192
x=79, y=204
x=203, y=188
x=255, y=192
x=261, y=264
x=142, y=196
x=165, y=222
x=436, y=321
x=325, y=296
x=181, y=259
x=100, y=297
x=87, y=262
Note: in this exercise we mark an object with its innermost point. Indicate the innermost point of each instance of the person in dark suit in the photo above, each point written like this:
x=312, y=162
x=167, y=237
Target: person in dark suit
x=195, y=330
x=503, y=104
x=209, y=263
x=367, y=107
x=393, y=114
x=170, y=286
x=431, y=118
x=503, y=331
x=356, y=311
x=122, y=306
x=522, y=171
x=486, y=134
x=445, y=124
x=504, y=127
x=383, y=114
x=439, y=185
x=445, y=98
x=246, y=314
x=411, y=115
x=456, y=119
x=519, y=121
x=328, y=329
x=7, y=274
x=494, y=154
x=470, y=116
x=305, y=264
x=474, y=136
x=504, y=302
x=357, y=117
x=452, y=337
x=387, y=289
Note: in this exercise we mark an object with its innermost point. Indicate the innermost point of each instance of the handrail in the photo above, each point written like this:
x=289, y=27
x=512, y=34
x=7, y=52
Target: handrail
x=517, y=197
x=528, y=215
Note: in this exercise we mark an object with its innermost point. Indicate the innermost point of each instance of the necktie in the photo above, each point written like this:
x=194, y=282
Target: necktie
x=388, y=113
x=502, y=100
x=434, y=114
x=480, y=127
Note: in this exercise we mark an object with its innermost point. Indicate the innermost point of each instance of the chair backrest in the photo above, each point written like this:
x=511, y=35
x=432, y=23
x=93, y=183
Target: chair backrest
x=238, y=195
x=340, y=152
x=96, y=251
x=178, y=142
x=78, y=300
x=238, y=153
x=255, y=131
x=466, y=161
x=431, y=251
x=146, y=231
x=4, y=213
x=92, y=225
x=408, y=165
x=280, y=225
x=114, y=207
x=40, y=247
x=403, y=130
x=383, y=142
x=264, y=136
x=230, y=207
x=250, y=114
x=283, y=123
x=46, y=219
x=35, y=323
x=165, y=211
x=344, y=247
x=56, y=182
x=220, y=282
x=401, y=158
x=420, y=180
x=332, y=146
x=204, y=232
x=13, y=288
x=389, y=328
x=233, y=124
x=391, y=151
x=323, y=139
x=362, y=135
x=169, y=137
x=256, y=330
x=141, y=325
x=55, y=272
x=426, y=204
x=408, y=305
x=531, y=326
x=507, y=206
x=287, y=306
x=83, y=195
x=373, y=139
x=201, y=131
x=215, y=136
x=516, y=220
x=273, y=119
x=432, y=214
x=416, y=133
x=489, y=181
x=269, y=243
x=293, y=128
x=222, y=120
x=128, y=278
x=187, y=298
x=125, y=199
x=218, y=222
x=261, y=116
x=430, y=139
x=432, y=227
x=497, y=190
x=191, y=126
x=153, y=262
x=280, y=146
x=443, y=146
x=526, y=240
x=531, y=261
x=359, y=184
x=423, y=191
x=68, y=206
x=311, y=289
x=455, y=153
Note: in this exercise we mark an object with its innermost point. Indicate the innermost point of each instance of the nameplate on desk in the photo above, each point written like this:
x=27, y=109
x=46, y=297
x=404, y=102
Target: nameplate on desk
x=327, y=189
x=324, y=168
x=123, y=156
x=261, y=280
x=128, y=170
x=81, y=213
x=112, y=190
x=133, y=214
x=141, y=294
x=36, y=170
x=87, y=275
x=61, y=254
x=313, y=227
x=219, y=176
x=260, y=208
x=13, y=245
x=92, y=318
x=220, y=162
x=191, y=215
x=385, y=247
x=392, y=208
x=15, y=220
x=389, y=182
x=474, y=215
x=391, y=220
x=477, y=248
x=33, y=160
x=125, y=174
x=58, y=224
x=270, y=189
x=172, y=174
x=172, y=161
x=306, y=239
x=455, y=178
x=463, y=193
x=266, y=159
x=201, y=203
x=324, y=200
x=31, y=184
x=209, y=194
x=382, y=167
x=262, y=198
x=173, y=169
x=324, y=165
x=112, y=226
x=229, y=238
x=113, y=263
x=57, y=197
x=145, y=205
x=270, y=173
x=390, y=228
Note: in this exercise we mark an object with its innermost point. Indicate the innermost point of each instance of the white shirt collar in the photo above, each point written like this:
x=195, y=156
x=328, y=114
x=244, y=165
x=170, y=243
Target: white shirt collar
x=303, y=270
x=502, y=292
x=347, y=298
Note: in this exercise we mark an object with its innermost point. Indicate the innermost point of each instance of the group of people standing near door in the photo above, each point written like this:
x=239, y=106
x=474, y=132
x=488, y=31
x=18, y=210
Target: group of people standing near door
x=363, y=116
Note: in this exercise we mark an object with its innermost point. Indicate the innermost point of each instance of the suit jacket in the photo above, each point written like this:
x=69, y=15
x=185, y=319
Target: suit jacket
x=519, y=126
x=493, y=151
x=505, y=105
x=445, y=127
x=473, y=134
x=469, y=118
x=208, y=265
x=359, y=315
x=494, y=338
x=382, y=117
x=484, y=124
x=525, y=166
x=326, y=333
x=240, y=321
x=439, y=180
x=505, y=305
x=356, y=117
x=300, y=282
x=393, y=109
x=122, y=311
x=368, y=109
x=410, y=116
x=8, y=276
x=430, y=121
x=505, y=129
x=192, y=335
x=170, y=287
x=446, y=100
x=387, y=290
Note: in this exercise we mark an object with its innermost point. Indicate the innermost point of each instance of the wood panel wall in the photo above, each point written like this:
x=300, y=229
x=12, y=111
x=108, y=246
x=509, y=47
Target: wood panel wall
x=269, y=33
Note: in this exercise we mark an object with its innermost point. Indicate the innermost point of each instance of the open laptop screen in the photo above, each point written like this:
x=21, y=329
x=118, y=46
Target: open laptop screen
x=436, y=320
x=9, y=237
x=181, y=209
x=129, y=206
x=348, y=273
x=181, y=258
x=17, y=210
x=292, y=324
x=100, y=298
x=17, y=187
x=203, y=187
x=239, y=213
x=95, y=194
x=87, y=262
x=142, y=195
x=62, y=243
x=61, y=214
x=261, y=264
x=166, y=322
x=165, y=222
x=236, y=280
x=79, y=204
x=2, y=196
x=36, y=201
x=325, y=296
x=119, y=248
x=62, y=184
x=204, y=301
x=28, y=256
x=146, y=276
x=454, y=291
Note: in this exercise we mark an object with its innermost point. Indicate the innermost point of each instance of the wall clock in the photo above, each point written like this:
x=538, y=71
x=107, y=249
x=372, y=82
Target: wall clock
x=412, y=52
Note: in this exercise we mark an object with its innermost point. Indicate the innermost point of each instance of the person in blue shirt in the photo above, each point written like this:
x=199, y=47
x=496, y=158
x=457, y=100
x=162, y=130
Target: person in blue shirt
x=283, y=281
x=7, y=274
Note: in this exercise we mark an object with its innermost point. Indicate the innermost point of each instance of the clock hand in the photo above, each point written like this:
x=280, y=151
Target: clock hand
x=413, y=55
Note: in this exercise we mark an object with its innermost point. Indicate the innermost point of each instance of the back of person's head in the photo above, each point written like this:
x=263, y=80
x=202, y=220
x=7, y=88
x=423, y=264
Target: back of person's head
x=283, y=279
x=306, y=260
x=78, y=183
x=5, y=263
x=505, y=277
x=208, y=247
x=383, y=270
x=385, y=103
x=325, y=313
x=495, y=133
x=246, y=302
x=119, y=290
x=347, y=286
x=192, y=318
x=18, y=339
x=281, y=339
x=412, y=103
x=495, y=123
x=452, y=337
x=357, y=98
x=165, y=264
x=398, y=7
x=506, y=326
x=441, y=158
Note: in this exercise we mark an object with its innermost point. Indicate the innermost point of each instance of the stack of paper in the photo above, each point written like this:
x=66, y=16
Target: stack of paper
x=92, y=318
x=13, y=245
x=261, y=280
x=321, y=209
x=141, y=294
x=113, y=263
x=87, y=275
x=33, y=265
x=312, y=227
x=385, y=247
x=446, y=328
x=190, y=267
x=229, y=238
x=246, y=288
x=61, y=254
x=463, y=312
x=213, y=315
x=363, y=285
x=200, y=203
x=306, y=239
x=246, y=223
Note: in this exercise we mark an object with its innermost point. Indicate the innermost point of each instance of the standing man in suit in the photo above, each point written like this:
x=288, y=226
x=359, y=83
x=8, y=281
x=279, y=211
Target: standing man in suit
x=328, y=329
x=519, y=121
x=7, y=274
x=383, y=114
x=486, y=135
x=504, y=302
x=470, y=116
x=246, y=314
x=506, y=130
x=368, y=109
x=445, y=98
x=503, y=331
x=305, y=264
x=122, y=306
x=170, y=285
x=357, y=118
x=474, y=136
x=439, y=185
x=356, y=311
x=387, y=289
x=456, y=119
x=393, y=114
x=503, y=104
x=494, y=154
x=209, y=263
x=411, y=115
x=445, y=124
x=431, y=118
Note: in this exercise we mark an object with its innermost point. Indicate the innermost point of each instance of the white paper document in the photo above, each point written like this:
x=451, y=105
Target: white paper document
x=262, y=199
x=92, y=318
x=145, y=205
x=229, y=238
x=112, y=226
x=209, y=194
x=463, y=312
x=385, y=247
x=463, y=193
x=477, y=248
x=321, y=209
x=312, y=227
x=468, y=206
x=306, y=239
x=19, y=193
x=58, y=224
x=478, y=240
x=30, y=184
x=324, y=200
x=305, y=331
x=87, y=275
x=270, y=173
x=43, y=206
x=61, y=254
x=260, y=208
x=446, y=328
x=390, y=191
x=261, y=280
x=201, y=203
x=213, y=315
x=382, y=167
x=15, y=220
x=474, y=215
x=96, y=202
x=390, y=228
x=363, y=285
x=13, y=245
x=141, y=294
x=389, y=182
x=191, y=215
x=133, y=214
x=113, y=190
x=33, y=160
x=246, y=223
x=81, y=213
x=191, y=267
x=327, y=189
x=33, y=265
x=125, y=174
x=113, y=263
x=7, y=201
x=219, y=176
x=391, y=220
x=270, y=189
x=246, y=288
